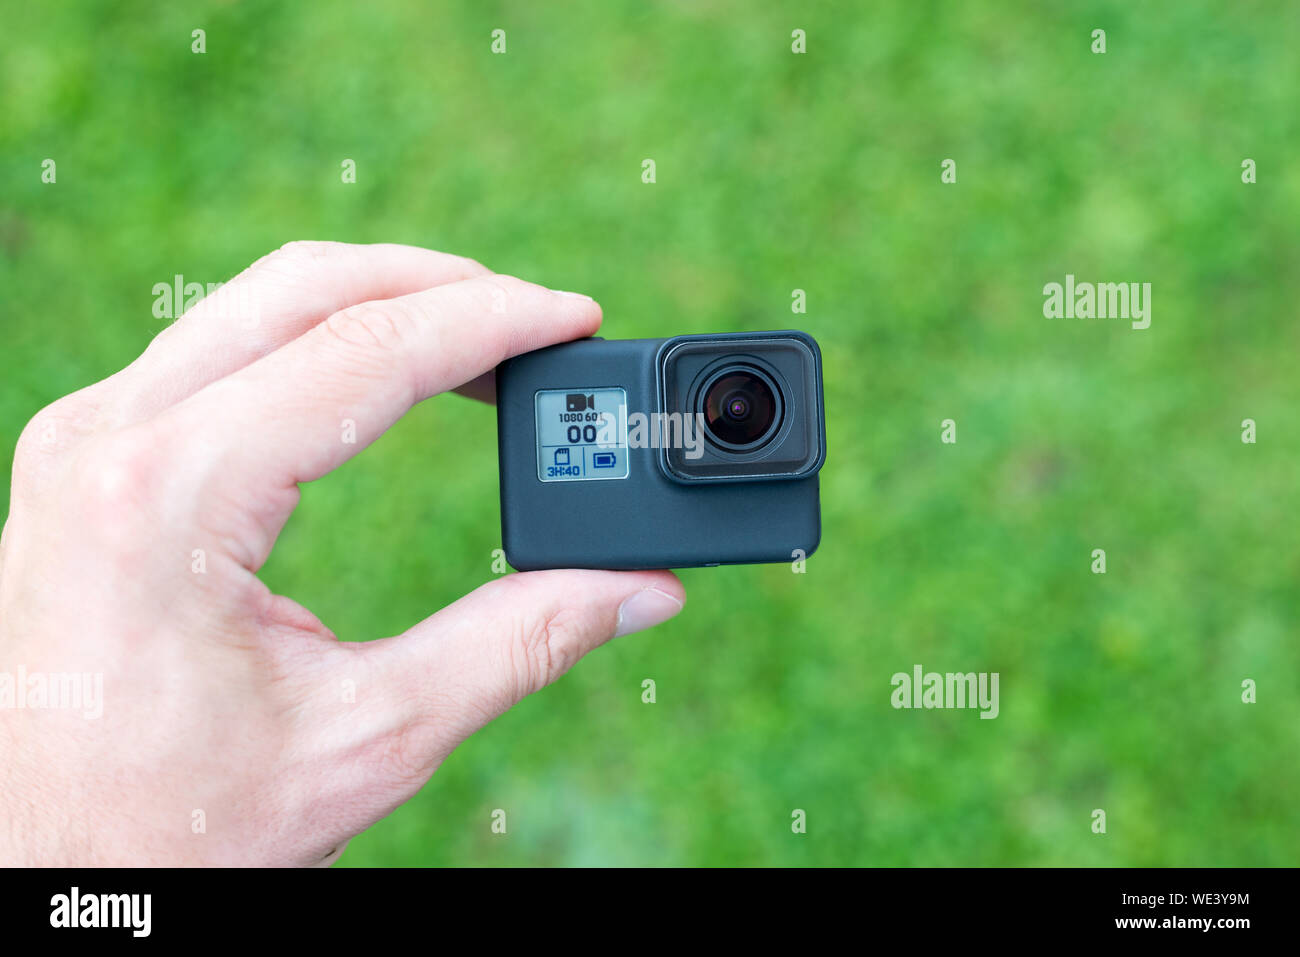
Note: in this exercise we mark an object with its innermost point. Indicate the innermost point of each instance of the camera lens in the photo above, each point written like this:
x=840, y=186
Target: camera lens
x=740, y=407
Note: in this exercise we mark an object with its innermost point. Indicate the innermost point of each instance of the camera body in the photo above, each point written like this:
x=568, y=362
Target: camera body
x=661, y=453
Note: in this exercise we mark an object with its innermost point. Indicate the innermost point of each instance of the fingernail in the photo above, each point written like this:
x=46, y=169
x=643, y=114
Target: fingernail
x=645, y=609
x=572, y=295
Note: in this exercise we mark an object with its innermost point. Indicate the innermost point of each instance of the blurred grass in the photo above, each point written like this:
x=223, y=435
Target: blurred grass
x=775, y=172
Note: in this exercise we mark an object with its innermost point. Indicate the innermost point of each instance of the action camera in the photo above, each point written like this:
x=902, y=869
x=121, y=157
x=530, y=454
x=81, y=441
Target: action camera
x=661, y=453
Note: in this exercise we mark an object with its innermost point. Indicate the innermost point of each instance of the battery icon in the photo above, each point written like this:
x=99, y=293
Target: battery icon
x=603, y=460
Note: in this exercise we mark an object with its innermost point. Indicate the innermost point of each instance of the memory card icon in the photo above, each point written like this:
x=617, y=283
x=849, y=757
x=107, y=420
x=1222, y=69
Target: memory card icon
x=577, y=402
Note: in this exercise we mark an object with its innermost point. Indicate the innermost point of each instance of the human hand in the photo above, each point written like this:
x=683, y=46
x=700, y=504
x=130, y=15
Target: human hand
x=223, y=702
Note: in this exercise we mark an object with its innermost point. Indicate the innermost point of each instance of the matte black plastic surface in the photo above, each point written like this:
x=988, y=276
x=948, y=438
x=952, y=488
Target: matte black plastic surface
x=646, y=520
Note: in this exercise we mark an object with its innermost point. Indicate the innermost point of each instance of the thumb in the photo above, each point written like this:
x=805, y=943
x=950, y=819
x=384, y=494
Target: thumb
x=457, y=670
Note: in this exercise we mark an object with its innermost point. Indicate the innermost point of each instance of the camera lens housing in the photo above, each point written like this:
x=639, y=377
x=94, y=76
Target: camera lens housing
x=750, y=406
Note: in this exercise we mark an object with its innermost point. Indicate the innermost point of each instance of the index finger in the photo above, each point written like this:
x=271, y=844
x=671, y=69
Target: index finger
x=311, y=405
x=271, y=303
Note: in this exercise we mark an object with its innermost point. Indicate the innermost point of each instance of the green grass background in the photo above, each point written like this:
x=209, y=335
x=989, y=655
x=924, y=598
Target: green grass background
x=775, y=171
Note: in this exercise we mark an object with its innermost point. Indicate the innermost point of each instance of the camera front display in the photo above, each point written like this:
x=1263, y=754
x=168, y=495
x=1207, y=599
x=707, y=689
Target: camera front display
x=716, y=441
x=578, y=434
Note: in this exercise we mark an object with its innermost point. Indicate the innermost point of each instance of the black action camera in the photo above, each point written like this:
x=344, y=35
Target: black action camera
x=661, y=453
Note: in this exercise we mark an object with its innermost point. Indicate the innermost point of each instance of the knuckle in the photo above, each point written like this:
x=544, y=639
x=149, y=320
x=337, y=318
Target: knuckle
x=504, y=300
x=470, y=267
x=302, y=262
x=37, y=438
x=408, y=755
x=53, y=430
x=372, y=325
x=499, y=284
x=118, y=473
x=542, y=649
x=305, y=251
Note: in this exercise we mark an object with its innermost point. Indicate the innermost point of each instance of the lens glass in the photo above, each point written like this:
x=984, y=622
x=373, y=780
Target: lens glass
x=739, y=407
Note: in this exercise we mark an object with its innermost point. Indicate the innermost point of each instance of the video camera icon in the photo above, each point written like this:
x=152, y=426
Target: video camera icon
x=577, y=402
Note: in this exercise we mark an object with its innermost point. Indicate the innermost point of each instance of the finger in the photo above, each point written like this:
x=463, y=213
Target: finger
x=311, y=405
x=271, y=303
x=474, y=659
x=419, y=695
